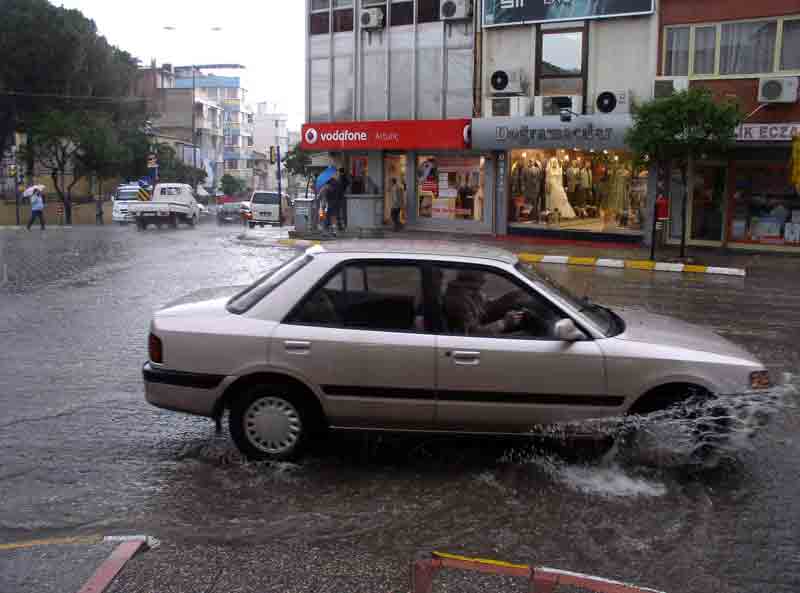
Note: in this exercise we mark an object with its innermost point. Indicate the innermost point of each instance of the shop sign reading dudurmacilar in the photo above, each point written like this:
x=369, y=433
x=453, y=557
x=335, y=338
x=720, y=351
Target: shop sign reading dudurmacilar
x=514, y=12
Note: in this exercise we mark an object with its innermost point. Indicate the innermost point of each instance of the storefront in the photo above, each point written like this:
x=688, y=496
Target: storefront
x=573, y=179
x=447, y=185
x=745, y=201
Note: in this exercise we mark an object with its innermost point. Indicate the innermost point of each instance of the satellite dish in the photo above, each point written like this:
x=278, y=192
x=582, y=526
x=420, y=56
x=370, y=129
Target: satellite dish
x=606, y=102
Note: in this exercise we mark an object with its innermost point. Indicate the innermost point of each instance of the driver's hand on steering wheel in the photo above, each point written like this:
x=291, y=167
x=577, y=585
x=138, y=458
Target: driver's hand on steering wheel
x=513, y=319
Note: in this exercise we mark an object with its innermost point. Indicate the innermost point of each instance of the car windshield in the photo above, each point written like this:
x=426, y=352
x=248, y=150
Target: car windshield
x=604, y=318
x=251, y=295
x=264, y=198
x=128, y=195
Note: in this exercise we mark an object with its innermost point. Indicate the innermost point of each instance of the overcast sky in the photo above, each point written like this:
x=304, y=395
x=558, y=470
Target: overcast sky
x=266, y=36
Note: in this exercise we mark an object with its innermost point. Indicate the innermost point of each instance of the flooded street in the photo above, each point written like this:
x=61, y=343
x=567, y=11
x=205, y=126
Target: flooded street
x=82, y=452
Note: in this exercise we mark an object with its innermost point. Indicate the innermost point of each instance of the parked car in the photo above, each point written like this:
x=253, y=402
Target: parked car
x=172, y=203
x=423, y=337
x=229, y=212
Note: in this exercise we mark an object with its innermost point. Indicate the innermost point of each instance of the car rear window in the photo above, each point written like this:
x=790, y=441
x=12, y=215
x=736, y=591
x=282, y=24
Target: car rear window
x=264, y=198
x=251, y=295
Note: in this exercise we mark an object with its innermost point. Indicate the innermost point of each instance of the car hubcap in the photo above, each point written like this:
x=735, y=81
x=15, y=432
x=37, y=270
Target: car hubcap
x=272, y=425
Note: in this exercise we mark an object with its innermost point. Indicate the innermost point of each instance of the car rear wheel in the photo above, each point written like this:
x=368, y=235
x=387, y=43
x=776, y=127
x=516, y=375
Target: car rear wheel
x=268, y=422
x=252, y=225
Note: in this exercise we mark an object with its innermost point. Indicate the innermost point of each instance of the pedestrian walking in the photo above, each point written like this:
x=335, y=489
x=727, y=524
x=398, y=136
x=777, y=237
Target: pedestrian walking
x=37, y=208
x=99, y=209
x=329, y=194
x=398, y=203
x=344, y=182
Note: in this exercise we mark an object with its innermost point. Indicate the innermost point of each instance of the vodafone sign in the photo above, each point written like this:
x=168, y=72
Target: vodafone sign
x=447, y=134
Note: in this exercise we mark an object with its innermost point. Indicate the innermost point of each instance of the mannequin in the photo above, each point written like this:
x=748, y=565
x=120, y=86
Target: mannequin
x=585, y=184
x=533, y=184
x=556, y=196
x=573, y=173
x=619, y=180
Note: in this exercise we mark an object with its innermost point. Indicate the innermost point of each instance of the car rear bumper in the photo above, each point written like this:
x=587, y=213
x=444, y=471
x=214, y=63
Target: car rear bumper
x=193, y=393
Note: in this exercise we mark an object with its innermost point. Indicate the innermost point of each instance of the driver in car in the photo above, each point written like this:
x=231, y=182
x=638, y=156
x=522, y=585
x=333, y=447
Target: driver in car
x=467, y=308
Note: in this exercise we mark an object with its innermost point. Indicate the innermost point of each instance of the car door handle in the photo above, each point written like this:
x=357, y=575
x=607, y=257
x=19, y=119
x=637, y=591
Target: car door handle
x=297, y=346
x=466, y=358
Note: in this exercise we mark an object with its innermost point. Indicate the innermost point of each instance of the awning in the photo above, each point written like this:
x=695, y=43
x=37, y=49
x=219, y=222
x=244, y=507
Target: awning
x=584, y=132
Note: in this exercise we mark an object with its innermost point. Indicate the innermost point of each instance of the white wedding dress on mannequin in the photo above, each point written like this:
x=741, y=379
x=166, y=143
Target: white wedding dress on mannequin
x=556, y=196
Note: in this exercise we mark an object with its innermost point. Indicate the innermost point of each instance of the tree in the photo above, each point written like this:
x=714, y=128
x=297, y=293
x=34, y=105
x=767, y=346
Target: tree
x=53, y=58
x=173, y=170
x=297, y=161
x=231, y=185
x=681, y=128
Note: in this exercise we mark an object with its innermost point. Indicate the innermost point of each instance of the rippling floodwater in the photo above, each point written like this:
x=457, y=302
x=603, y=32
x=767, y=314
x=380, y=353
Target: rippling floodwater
x=83, y=452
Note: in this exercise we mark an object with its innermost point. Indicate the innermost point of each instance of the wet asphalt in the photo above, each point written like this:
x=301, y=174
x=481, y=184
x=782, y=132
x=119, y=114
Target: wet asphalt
x=82, y=452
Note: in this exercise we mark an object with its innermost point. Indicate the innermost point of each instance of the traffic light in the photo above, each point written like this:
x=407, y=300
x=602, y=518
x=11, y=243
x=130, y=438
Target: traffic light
x=272, y=155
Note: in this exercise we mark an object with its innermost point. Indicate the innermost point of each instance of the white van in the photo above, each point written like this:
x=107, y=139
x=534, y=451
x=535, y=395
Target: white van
x=267, y=208
x=124, y=197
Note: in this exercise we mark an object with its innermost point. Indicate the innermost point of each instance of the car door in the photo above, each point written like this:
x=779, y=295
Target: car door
x=361, y=338
x=490, y=380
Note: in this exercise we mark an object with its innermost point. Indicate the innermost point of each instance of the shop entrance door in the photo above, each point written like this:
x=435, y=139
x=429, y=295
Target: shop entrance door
x=394, y=167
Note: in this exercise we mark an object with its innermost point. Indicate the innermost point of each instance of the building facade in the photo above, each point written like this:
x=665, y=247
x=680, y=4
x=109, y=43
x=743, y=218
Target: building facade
x=548, y=90
x=270, y=133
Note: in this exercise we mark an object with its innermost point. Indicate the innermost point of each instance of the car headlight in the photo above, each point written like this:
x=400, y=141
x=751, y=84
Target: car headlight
x=760, y=380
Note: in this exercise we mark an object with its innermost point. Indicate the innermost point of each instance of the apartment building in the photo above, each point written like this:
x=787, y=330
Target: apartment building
x=270, y=133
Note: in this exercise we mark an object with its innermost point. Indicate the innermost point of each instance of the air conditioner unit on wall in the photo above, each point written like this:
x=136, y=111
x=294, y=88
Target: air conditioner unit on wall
x=455, y=10
x=507, y=106
x=781, y=89
x=613, y=102
x=554, y=105
x=372, y=18
x=506, y=82
x=666, y=86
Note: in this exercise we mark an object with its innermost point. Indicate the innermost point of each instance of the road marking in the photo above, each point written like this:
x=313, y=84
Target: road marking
x=582, y=261
x=695, y=269
x=480, y=560
x=53, y=541
x=637, y=264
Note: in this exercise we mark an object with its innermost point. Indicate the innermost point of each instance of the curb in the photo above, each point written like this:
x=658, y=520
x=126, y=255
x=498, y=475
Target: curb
x=596, y=262
x=630, y=264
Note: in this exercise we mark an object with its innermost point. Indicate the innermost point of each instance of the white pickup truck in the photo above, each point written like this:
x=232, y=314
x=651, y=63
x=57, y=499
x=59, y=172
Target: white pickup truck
x=172, y=203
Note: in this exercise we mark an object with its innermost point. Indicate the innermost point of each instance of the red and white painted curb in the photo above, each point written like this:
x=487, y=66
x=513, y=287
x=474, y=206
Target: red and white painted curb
x=129, y=546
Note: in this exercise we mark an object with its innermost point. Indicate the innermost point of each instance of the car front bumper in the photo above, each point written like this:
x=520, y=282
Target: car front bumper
x=192, y=393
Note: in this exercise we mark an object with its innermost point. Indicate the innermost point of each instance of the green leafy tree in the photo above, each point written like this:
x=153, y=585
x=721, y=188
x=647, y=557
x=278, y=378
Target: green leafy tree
x=681, y=128
x=173, y=170
x=231, y=185
x=297, y=161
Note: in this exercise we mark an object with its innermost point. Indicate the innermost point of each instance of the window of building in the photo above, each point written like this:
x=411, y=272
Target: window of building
x=320, y=23
x=230, y=164
x=450, y=188
x=250, y=164
x=733, y=49
x=427, y=11
x=676, y=56
x=766, y=207
x=342, y=20
x=560, y=63
x=250, y=141
x=343, y=3
x=402, y=13
x=377, y=297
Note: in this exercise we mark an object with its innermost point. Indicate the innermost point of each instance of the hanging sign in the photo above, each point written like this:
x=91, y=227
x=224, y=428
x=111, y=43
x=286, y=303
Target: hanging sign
x=767, y=132
x=515, y=12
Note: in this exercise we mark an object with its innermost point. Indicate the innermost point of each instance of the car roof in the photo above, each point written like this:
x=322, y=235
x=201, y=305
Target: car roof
x=405, y=248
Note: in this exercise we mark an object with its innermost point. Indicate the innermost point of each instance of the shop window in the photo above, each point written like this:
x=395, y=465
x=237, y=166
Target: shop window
x=766, y=208
x=705, y=47
x=427, y=11
x=342, y=20
x=568, y=189
x=402, y=13
x=747, y=48
x=676, y=56
x=790, y=54
x=450, y=188
x=320, y=23
x=560, y=63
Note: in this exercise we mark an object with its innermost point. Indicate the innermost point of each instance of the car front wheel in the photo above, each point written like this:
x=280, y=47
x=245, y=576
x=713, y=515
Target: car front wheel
x=269, y=423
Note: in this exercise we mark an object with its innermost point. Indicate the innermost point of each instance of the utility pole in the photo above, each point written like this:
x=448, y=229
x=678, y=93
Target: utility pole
x=194, y=123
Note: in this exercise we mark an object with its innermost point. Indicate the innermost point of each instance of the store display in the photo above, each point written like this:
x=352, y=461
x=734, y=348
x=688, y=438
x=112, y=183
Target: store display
x=792, y=233
x=556, y=196
x=450, y=188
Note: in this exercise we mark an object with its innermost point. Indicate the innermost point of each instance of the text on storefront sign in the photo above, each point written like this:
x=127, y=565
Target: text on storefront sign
x=767, y=132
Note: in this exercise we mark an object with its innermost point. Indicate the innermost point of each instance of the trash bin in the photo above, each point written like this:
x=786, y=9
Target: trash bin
x=306, y=218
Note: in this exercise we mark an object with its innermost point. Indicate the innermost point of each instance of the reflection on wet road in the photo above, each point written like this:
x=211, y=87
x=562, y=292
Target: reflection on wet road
x=82, y=451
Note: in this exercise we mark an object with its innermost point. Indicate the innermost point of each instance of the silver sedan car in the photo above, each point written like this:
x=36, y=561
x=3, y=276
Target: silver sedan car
x=418, y=336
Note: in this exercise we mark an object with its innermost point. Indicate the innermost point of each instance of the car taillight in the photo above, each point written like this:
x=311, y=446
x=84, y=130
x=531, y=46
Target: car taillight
x=759, y=380
x=156, y=349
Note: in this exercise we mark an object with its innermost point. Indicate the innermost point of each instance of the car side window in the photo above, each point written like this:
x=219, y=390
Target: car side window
x=476, y=302
x=377, y=297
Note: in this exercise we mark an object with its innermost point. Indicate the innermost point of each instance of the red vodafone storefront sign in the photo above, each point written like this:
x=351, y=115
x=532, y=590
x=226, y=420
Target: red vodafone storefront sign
x=447, y=134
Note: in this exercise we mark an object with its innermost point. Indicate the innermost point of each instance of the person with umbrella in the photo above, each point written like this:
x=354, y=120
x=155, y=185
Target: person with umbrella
x=36, y=194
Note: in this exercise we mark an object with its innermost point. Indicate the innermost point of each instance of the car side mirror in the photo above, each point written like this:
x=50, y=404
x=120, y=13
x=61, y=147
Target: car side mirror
x=567, y=331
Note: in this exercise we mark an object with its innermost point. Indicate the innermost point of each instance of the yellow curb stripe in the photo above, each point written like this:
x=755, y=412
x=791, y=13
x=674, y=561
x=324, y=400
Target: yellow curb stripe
x=480, y=560
x=530, y=258
x=635, y=264
x=582, y=261
x=54, y=541
x=687, y=269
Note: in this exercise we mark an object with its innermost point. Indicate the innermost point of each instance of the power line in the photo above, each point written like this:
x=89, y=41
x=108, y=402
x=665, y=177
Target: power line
x=74, y=97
